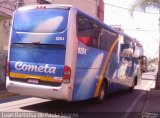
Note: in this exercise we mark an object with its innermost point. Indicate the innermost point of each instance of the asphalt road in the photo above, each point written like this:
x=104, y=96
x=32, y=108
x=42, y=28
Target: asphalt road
x=123, y=103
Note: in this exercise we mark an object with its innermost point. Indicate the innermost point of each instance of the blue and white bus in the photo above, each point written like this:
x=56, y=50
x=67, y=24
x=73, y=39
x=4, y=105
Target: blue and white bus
x=59, y=52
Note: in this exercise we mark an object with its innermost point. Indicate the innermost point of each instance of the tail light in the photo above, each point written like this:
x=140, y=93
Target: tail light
x=7, y=68
x=41, y=7
x=66, y=75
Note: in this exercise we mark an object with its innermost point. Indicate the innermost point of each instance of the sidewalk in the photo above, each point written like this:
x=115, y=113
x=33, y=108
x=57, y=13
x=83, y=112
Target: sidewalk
x=5, y=94
x=153, y=101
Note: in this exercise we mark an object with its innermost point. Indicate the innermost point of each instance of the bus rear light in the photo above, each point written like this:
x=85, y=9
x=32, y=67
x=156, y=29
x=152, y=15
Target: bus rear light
x=36, y=42
x=7, y=68
x=66, y=75
x=41, y=7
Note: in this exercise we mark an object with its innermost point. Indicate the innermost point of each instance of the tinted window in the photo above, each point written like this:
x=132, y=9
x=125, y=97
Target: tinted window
x=41, y=20
x=50, y=54
x=107, y=39
x=88, y=32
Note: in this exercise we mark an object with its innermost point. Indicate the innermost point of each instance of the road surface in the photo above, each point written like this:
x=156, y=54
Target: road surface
x=122, y=102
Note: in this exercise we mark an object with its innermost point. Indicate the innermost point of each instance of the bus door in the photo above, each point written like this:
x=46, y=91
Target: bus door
x=126, y=67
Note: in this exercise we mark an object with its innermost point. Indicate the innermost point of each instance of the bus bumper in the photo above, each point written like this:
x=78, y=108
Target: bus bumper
x=63, y=92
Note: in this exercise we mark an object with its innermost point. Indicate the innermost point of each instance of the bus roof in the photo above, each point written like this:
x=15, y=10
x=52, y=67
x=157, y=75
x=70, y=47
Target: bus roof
x=61, y=6
x=45, y=6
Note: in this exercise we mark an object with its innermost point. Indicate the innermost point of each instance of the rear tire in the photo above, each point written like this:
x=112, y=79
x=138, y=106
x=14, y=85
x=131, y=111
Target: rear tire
x=134, y=83
x=102, y=93
x=131, y=89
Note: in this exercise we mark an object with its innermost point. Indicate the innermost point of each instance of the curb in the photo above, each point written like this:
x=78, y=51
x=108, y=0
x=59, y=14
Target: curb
x=154, y=93
x=148, y=96
x=6, y=94
x=152, y=102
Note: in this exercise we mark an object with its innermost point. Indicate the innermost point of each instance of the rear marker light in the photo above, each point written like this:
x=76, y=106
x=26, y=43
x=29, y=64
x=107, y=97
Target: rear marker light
x=41, y=7
x=7, y=68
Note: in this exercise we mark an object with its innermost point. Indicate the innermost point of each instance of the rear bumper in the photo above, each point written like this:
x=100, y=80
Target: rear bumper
x=64, y=92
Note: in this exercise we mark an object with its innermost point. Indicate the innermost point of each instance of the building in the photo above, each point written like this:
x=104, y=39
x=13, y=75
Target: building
x=92, y=7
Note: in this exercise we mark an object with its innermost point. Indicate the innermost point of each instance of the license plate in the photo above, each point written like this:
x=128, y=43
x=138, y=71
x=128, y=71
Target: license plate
x=34, y=81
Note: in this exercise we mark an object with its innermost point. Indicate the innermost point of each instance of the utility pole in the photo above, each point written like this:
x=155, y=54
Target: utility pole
x=158, y=73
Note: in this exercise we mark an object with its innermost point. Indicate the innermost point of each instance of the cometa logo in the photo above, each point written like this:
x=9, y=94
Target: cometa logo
x=35, y=68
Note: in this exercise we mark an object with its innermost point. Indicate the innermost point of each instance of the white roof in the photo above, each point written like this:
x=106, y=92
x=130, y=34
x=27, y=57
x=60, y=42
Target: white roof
x=44, y=6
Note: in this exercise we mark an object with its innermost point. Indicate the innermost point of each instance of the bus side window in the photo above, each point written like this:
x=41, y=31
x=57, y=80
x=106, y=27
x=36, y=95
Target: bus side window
x=103, y=40
x=88, y=32
x=144, y=63
x=95, y=37
x=124, y=46
x=107, y=39
x=84, y=30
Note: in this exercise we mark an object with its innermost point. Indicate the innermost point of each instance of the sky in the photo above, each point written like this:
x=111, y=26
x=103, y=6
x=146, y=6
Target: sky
x=142, y=26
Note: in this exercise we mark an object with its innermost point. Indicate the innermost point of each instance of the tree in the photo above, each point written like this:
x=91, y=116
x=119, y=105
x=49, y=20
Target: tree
x=144, y=4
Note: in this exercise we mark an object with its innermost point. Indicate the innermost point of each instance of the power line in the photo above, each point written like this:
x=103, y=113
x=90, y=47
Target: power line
x=144, y=31
x=147, y=30
x=129, y=9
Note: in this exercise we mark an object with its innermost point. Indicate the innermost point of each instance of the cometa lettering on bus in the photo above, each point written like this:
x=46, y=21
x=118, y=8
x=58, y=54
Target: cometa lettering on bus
x=34, y=68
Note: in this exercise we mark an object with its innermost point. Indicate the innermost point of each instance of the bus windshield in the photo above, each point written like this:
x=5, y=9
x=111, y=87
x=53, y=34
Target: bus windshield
x=41, y=20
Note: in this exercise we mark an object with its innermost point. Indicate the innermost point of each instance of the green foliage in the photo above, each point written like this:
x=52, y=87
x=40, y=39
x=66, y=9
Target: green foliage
x=144, y=4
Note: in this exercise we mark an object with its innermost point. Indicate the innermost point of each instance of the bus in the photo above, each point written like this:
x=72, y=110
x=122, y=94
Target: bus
x=60, y=52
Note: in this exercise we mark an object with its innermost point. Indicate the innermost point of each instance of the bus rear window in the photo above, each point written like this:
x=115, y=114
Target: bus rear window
x=41, y=20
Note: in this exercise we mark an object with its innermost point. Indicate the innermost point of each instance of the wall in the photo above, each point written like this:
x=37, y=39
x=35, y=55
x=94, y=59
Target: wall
x=3, y=52
x=92, y=7
x=88, y=6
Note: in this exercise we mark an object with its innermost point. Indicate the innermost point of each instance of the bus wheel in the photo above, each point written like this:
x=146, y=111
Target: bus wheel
x=102, y=93
x=134, y=83
x=131, y=89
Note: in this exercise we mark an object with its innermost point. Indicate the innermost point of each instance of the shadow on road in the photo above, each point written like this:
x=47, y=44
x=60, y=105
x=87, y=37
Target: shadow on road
x=115, y=102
